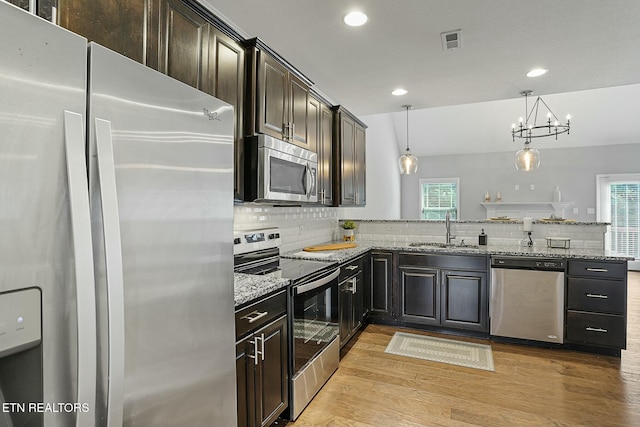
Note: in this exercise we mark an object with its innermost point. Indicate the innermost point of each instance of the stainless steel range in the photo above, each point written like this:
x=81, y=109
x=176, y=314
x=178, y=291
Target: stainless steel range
x=314, y=345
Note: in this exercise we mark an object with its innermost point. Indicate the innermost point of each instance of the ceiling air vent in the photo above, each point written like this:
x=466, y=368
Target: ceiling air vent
x=451, y=39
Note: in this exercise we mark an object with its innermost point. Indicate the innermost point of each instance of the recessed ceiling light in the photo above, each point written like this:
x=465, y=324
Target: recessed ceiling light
x=536, y=72
x=355, y=19
x=398, y=92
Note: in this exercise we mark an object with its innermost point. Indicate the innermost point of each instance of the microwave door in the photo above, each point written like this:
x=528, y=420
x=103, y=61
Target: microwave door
x=288, y=178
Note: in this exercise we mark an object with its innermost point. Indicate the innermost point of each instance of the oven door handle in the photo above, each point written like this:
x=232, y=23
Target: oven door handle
x=316, y=283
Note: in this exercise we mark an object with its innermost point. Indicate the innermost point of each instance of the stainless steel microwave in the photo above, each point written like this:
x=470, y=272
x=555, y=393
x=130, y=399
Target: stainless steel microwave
x=279, y=171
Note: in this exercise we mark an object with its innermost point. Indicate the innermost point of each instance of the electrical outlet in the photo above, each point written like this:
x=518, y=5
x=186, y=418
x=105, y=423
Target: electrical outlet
x=301, y=230
x=532, y=187
x=517, y=187
x=575, y=211
x=591, y=211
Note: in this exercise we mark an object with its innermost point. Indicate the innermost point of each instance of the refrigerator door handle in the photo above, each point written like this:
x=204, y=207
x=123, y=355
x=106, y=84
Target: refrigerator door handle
x=83, y=259
x=114, y=271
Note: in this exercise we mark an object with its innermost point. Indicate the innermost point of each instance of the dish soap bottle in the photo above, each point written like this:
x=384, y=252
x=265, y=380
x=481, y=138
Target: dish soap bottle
x=482, y=239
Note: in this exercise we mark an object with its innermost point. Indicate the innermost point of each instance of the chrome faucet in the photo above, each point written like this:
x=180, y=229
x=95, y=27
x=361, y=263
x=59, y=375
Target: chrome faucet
x=447, y=223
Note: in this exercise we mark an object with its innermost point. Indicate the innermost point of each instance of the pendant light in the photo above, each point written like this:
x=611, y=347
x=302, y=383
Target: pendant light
x=408, y=163
x=528, y=158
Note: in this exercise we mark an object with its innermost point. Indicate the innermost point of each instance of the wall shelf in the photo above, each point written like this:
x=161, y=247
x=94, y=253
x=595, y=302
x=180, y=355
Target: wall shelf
x=535, y=210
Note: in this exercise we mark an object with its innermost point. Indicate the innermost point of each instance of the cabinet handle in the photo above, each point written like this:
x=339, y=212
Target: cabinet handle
x=292, y=128
x=597, y=270
x=354, y=285
x=254, y=316
x=256, y=352
x=261, y=346
x=597, y=296
x=285, y=131
x=590, y=329
x=351, y=267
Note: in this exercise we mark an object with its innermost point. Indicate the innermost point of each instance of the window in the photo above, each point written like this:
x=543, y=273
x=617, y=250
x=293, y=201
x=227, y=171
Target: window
x=619, y=204
x=437, y=196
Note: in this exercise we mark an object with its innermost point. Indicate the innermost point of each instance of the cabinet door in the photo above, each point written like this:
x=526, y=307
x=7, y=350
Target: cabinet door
x=272, y=97
x=271, y=374
x=345, y=311
x=183, y=45
x=420, y=290
x=245, y=365
x=347, y=160
x=381, y=284
x=117, y=25
x=228, y=82
x=298, y=97
x=325, y=156
x=358, y=300
x=465, y=300
x=360, y=166
x=314, y=117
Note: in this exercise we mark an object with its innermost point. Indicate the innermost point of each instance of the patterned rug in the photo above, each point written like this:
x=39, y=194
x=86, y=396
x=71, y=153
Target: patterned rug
x=471, y=355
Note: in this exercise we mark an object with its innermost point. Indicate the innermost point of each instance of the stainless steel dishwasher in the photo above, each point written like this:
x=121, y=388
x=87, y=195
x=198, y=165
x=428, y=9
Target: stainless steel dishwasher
x=527, y=298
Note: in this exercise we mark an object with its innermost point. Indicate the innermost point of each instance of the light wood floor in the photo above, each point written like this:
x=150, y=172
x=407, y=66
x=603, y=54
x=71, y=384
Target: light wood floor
x=530, y=386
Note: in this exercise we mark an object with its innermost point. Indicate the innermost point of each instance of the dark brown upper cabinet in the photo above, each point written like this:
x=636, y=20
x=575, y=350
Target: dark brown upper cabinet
x=117, y=25
x=350, y=159
x=320, y=135
x=278, y=97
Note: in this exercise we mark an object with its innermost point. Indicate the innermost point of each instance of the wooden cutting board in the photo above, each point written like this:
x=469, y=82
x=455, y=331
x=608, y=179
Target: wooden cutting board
x=330, y=247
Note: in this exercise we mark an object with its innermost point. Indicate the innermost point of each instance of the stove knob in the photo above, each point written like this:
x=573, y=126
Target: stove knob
x=236, y=241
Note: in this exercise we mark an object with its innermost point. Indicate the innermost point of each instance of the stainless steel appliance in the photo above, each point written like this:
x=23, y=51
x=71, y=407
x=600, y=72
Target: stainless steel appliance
x=281, y=171
x=133, y=265
x=315, y=339
x=314, y=345
x=527, y=298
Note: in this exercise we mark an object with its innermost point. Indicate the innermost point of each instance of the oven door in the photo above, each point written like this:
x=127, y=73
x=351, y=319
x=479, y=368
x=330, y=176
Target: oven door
x=315, y=345
x=286, y=172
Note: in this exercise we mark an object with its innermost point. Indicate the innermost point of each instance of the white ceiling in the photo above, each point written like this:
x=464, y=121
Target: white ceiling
x=585, y=44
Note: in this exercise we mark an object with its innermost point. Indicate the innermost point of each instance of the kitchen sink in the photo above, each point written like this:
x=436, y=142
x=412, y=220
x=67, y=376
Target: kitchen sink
x=442, y=245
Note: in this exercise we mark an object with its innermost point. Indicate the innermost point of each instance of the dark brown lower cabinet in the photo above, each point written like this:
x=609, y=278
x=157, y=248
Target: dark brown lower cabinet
x=431, y=292
x=262, y=361
x=379, y=301
x=261, y=370
x=465, y=300
x=597, y=303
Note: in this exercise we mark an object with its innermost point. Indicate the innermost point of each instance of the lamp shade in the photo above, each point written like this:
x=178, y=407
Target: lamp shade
x=408, y=163
x=527, y=159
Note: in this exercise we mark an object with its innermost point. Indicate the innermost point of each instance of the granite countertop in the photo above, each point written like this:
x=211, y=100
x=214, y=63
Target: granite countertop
x=501, y=250
x=248, y=287
x=545, y=221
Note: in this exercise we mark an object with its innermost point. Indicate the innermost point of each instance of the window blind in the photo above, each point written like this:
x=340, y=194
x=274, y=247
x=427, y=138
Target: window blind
x=625, y=218
x=438, y=198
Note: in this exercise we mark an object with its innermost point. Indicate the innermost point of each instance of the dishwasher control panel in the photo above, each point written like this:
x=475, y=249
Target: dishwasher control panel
x=528, y=263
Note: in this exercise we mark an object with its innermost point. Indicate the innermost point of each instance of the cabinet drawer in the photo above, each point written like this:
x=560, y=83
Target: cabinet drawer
x=350, y=269
x=260, y=313
x=597, y=329
x=604, y=296
x=612, y=270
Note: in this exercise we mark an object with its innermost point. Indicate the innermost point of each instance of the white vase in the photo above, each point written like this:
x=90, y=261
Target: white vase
x=348, y=235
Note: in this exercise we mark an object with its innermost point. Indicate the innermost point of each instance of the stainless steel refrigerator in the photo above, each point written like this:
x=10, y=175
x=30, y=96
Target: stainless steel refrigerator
x=116, y=219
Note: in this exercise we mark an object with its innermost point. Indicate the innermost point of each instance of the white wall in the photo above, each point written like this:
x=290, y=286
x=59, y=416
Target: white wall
x=573, y=169
x=383, y=177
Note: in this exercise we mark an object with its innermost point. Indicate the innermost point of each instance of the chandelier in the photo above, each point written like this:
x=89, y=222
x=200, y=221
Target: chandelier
x=408, y=163
x=528, y=158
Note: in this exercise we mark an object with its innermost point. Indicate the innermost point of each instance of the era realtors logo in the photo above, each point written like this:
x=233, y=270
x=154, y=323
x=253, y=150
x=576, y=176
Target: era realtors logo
x=213, y=115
